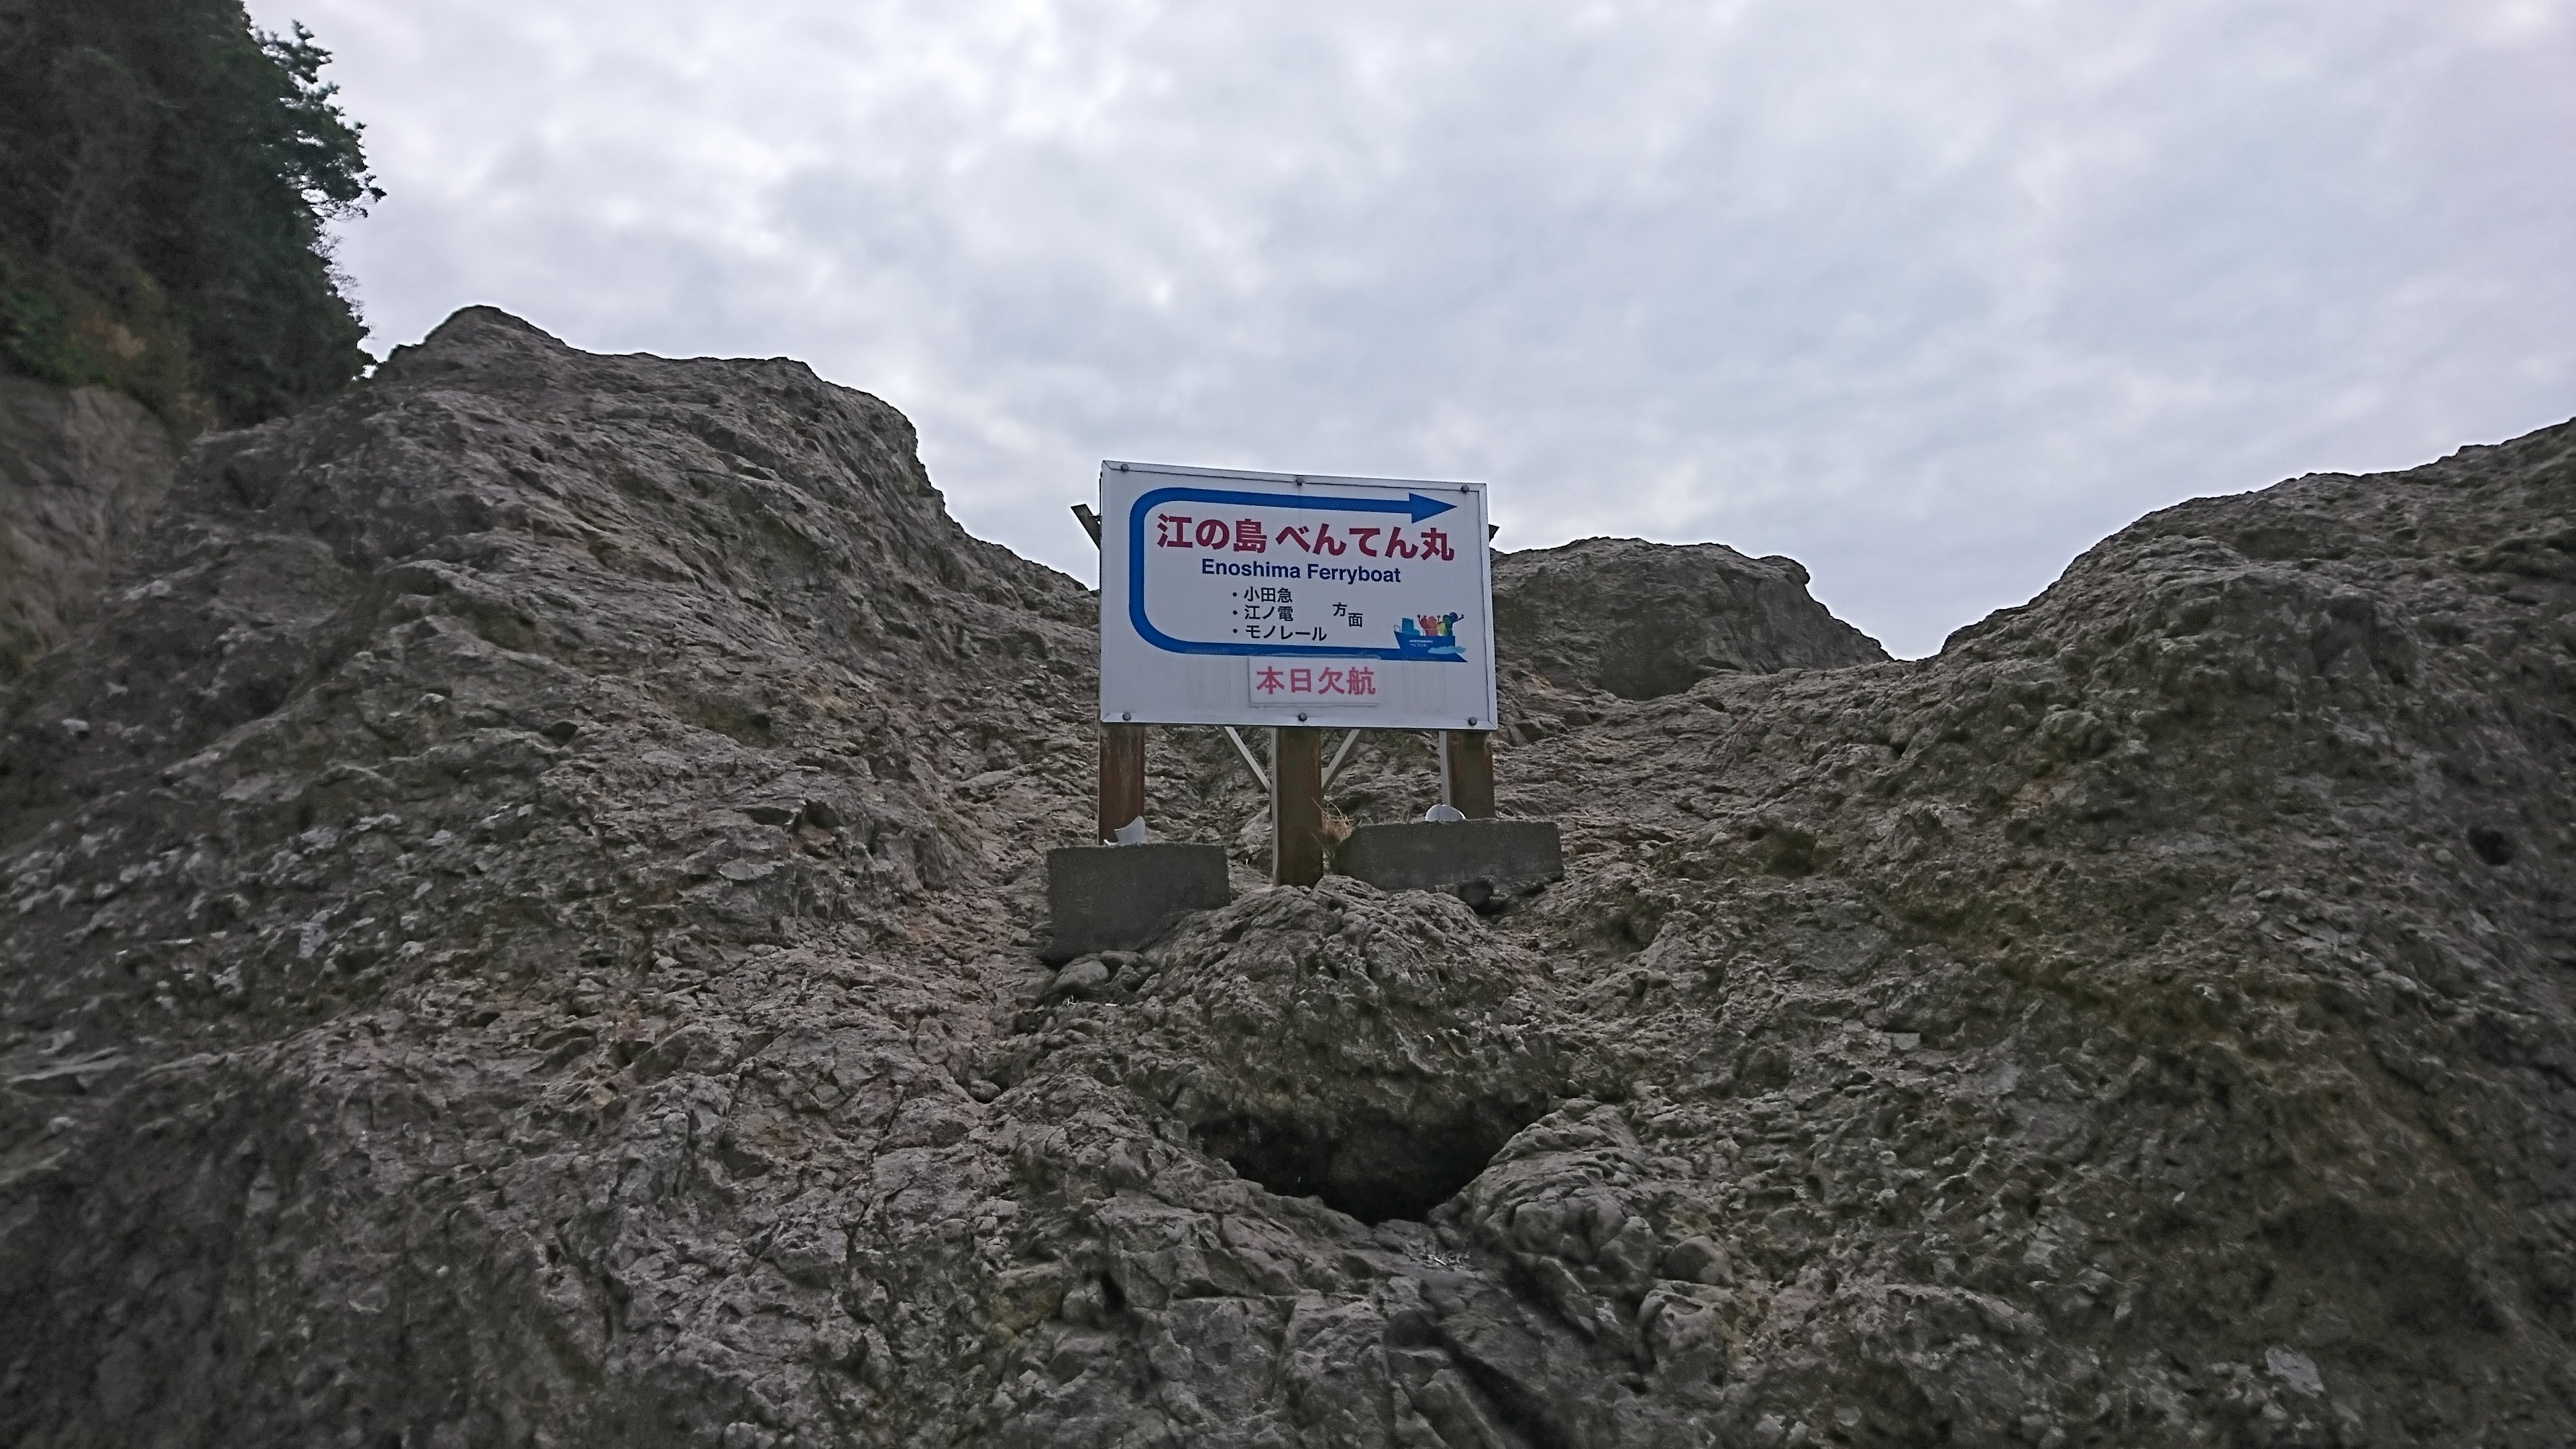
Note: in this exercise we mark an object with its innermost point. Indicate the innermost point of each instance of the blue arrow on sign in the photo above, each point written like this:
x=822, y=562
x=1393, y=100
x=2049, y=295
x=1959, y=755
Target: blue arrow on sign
x=1414, y=506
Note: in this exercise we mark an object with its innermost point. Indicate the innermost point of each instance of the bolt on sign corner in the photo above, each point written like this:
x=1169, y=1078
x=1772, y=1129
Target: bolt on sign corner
x=1282, y=599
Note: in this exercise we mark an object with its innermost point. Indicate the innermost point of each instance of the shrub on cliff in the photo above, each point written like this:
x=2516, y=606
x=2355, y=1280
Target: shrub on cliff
x=165, y=173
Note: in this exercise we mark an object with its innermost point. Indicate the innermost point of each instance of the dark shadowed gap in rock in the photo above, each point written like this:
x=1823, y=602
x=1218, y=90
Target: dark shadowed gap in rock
x=1370, y=1165
x=1642, y=665
x=2492, y=845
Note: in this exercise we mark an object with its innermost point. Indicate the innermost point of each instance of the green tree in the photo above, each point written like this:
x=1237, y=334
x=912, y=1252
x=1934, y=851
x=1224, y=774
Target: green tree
x=166, y=172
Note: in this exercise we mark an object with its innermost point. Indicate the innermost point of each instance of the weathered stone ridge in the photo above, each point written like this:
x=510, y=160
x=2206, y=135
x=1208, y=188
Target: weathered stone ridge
x=516, y=927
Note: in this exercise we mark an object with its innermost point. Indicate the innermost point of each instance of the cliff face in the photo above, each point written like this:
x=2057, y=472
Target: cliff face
x=517, y=928
x=81, y=472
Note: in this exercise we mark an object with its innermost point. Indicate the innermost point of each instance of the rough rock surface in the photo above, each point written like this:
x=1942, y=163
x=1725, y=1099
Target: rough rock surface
x=1644, y=620
x=81, y=472
x=517, y=924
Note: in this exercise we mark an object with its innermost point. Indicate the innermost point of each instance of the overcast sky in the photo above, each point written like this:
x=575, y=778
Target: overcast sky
x=1929, y=295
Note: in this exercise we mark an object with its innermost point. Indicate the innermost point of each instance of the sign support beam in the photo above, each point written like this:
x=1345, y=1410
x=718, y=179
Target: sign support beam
x=1467, y=772
x=1122, y=777
x=1297, y=847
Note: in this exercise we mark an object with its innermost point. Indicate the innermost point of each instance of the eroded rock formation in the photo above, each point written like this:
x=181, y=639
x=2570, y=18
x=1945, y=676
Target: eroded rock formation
x=1644, y=620
x=517, y=928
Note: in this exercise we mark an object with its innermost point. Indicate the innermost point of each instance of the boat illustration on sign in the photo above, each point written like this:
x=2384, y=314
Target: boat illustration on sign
x=1429, y=636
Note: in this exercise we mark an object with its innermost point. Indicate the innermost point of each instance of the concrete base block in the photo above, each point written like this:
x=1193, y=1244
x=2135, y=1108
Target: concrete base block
x=1118, y=897
x=1482, y=862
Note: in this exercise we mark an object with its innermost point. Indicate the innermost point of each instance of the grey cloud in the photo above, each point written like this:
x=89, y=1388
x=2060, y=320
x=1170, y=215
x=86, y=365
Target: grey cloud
x=1931, y=297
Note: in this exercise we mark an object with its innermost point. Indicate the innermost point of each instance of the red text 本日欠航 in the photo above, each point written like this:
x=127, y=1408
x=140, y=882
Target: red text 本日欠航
x=1357, y=682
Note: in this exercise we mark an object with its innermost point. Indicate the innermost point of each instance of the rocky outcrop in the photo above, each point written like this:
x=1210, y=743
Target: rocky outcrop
x=82, y=471
x=1645, y=620
x=518, y=919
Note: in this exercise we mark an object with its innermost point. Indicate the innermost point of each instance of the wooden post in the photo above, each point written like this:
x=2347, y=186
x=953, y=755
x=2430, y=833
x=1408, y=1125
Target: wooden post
x=1296, y=805
x=1122, y=777
x=1467, y=772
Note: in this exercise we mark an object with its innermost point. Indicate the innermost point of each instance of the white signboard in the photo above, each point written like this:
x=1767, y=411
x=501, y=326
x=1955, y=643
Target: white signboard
x=1281, y=599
